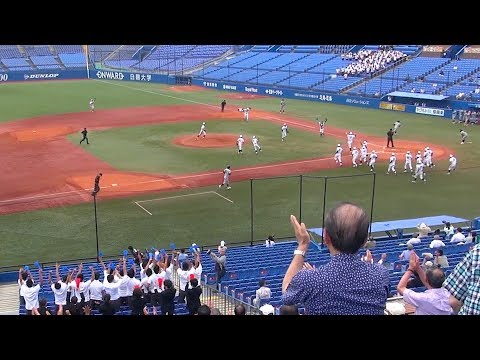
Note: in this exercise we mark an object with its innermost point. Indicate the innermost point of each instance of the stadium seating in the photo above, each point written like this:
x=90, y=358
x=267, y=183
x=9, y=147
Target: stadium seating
x=37, y=50
x=101, y=52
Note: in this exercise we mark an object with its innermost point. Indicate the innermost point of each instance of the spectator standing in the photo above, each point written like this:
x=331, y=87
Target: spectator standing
x=30, y=291
x=344, y=286
x=270, y=242
x=222, y=246
x=220, y=264
x=262, y=294
x=167, y=298
x=193, y=294
x=137, y=302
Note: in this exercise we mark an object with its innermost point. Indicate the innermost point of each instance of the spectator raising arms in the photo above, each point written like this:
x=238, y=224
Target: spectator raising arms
x=344, y=286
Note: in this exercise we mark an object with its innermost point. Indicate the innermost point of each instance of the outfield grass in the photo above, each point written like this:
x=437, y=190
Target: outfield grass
x=69, y=232
x=150, y=148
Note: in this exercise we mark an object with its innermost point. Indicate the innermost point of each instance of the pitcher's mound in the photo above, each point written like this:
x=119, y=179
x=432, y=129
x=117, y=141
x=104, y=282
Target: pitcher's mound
x=210, y=141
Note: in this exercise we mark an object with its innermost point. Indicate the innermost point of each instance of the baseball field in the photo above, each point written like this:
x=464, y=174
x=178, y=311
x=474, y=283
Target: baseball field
x=160, y=182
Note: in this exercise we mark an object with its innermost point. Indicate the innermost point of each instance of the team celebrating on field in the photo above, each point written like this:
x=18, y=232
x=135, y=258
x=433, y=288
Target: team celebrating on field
x=423, y=159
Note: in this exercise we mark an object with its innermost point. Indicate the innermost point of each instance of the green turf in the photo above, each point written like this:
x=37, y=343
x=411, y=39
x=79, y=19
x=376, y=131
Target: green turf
x=150, y=148
x=69, y=232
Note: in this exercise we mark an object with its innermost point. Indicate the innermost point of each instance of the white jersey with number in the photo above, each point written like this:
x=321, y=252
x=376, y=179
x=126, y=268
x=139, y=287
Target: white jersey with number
x=226, y=174
x=452, y=163
x=350, y=138
x=256, y=145
x=240, y=142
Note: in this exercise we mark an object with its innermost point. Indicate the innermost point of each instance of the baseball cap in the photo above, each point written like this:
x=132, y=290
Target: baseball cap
x=267, y=309
x=222, y=243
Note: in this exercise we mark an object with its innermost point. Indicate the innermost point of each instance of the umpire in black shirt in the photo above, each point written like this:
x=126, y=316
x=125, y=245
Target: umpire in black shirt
x=84, y=133
x=390, y=138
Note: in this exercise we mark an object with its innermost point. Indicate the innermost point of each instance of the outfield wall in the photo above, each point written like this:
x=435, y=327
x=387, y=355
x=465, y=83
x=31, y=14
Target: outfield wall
x=46, y=74
x=270, y=91
x=250, y=89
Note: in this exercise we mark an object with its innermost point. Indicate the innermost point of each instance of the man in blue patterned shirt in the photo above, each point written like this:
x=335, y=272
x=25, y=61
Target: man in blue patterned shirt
x=463, y=283
x=345, y=285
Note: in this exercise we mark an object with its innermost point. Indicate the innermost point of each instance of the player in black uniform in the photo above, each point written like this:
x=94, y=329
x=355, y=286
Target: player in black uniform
x=224, y=102
x=96, y=186
x=84, y=133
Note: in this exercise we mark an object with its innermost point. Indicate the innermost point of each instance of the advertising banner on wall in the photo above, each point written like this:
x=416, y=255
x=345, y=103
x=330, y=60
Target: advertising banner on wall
x=127, y=76
x=391, y=106
x=429, y=111
x=42, y=75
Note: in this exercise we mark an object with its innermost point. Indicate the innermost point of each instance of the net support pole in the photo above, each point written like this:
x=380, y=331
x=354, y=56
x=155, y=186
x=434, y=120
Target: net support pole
x=251, y=212
x=301, y=199
x=371, y=206
x=86, y=60
x=324, y=206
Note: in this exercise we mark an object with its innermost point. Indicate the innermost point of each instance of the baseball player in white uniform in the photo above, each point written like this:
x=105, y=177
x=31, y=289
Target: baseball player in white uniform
x=354, y=156
x=240, y=142
x=202, y=131
x=391, y=164
x=452, y=164
x=284, y=131
x=92, y=104
x=350, y=137
x=418, y=156
x=419, y=170
x=427, y=157
x=363, y=154
x=373, y=160
x=226, y=178
x=338, y=155
x=396, y=126
x=245, y=111
x=408, y=162
x=321, y=124
x=256, y=145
